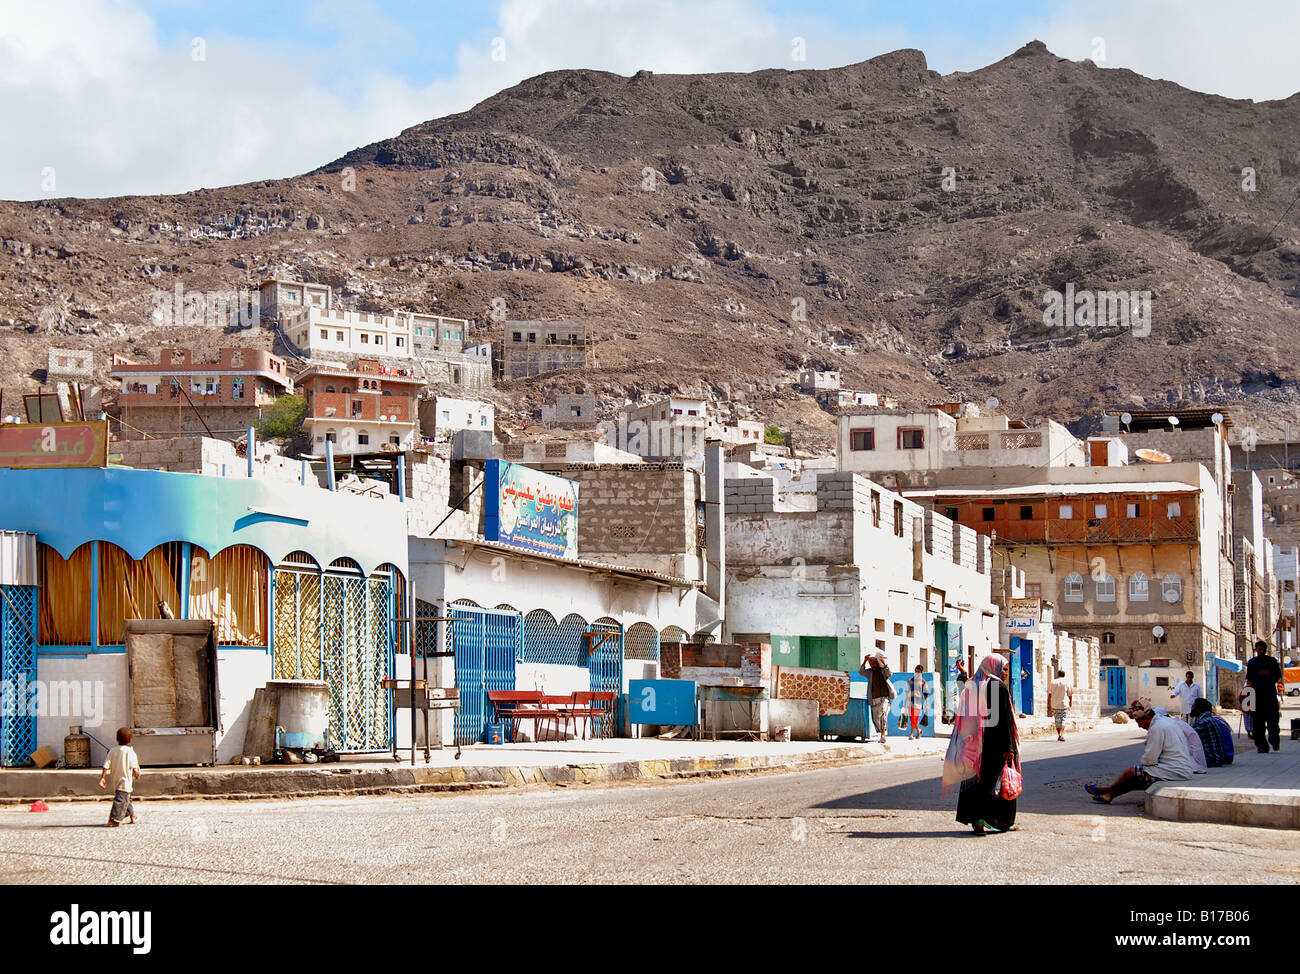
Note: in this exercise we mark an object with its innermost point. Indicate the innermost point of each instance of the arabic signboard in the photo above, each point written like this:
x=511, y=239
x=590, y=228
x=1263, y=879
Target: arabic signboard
x=531, y=510
x=31, y=445
x=1021, y=617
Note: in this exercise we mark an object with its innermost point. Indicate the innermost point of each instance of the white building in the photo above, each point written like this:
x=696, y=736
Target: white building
x=327, y=332
x=442, y=416
x=909, y=449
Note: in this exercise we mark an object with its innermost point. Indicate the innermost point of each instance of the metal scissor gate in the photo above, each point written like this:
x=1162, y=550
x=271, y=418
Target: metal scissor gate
x=486, y=643
x=18, y=672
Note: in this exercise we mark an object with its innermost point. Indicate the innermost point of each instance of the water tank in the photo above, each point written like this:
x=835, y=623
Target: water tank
x=302, y=712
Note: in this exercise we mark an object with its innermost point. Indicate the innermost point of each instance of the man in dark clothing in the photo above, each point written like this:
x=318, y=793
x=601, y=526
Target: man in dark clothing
x=881, y=692
x=1215, y=734
x=1262, y=676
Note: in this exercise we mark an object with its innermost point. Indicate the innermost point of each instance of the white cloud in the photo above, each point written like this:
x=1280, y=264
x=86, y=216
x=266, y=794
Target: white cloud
x=114, y=110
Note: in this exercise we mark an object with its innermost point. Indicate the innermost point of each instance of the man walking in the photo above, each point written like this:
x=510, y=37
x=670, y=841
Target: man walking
x=1187, y=693
x=1262, y=677
x=1060, y=698
x=880, y=692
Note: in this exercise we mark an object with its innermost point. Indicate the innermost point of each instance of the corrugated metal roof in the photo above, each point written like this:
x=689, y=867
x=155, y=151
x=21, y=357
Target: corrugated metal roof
x=638, y=573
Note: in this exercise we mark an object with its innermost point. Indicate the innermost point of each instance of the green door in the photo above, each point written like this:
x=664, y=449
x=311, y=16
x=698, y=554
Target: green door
x=819, y=652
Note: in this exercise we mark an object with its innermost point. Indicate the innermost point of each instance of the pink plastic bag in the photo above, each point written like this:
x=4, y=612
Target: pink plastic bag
x=1010, y=784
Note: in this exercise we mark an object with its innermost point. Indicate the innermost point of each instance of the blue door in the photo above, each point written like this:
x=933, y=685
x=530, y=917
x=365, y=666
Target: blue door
x=1013, y=674
x=1027, y=663
x=1116, y=686
x=605, y=666
x=487, y=643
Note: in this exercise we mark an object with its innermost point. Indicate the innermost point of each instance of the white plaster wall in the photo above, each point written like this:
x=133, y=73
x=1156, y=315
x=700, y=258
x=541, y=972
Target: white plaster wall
x=106, y=674
x=239, y=673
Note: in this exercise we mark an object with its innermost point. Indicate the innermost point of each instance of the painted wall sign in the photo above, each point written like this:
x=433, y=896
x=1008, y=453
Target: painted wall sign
x=531, y=510
x=1022, y=616
x=27, y=446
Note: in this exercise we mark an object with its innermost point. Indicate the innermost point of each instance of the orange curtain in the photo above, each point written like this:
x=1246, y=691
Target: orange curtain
x=65, y=597
x=230, y=589
x=130, y=589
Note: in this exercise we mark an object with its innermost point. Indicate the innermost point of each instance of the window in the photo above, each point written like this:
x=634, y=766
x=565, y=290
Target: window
x=419, y=333
x=1108, y=638
x=379, y=339
x=519, y=337
x=1033, y=590
x=880, y=625
x=898, y=519
x=1171, y=588
x=1137, y=587
x=875, y=508
x=356, y=409
x=1173, y=509
x=237, y=388
x=911, y=438
x=482, y=420
x=456, y=335
x=1099, y=510
x=986, y=513
x=954, y=515
x=1106, y=588
x=324, y=333
x=338, y=336
x=1074, y=587
x=862, y=440
x=1162, y=638
x=911, y=631
x=331, y=437
x=363, y=439
x=400, y=341
x=329, y=388
x=1132, y=510
x=365, y=339
x=532, y=337
x=1026, y=512
x=898, y=628
x=446, y=415
x=1065, y=512
x=395, y=440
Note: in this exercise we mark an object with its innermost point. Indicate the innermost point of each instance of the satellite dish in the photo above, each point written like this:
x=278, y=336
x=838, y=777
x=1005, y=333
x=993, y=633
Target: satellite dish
x=1153, y=456
x=1217, y=418
x=1173, y=420
x=992, y=402
x=1126, y=418
x=1157, y=631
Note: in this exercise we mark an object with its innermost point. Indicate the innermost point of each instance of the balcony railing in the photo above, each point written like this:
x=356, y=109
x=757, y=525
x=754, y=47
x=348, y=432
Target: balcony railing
x=1110, y=530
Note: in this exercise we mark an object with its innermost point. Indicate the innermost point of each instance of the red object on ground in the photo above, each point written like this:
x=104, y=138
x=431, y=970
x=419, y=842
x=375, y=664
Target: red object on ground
x=39, y=806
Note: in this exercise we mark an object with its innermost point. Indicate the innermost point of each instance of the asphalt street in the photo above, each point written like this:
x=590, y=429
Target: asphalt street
x=885, y=823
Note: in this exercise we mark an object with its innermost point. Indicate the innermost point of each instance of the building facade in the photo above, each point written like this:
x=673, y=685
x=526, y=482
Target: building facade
x=366, y=409
x=534, y=347
x=179, y=395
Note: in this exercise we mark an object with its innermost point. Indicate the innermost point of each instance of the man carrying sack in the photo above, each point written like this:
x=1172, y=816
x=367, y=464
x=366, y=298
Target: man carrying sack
x=880, y=693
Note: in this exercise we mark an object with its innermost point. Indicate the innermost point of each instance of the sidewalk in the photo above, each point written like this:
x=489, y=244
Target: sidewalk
x=560, y=763
x=1256, y=789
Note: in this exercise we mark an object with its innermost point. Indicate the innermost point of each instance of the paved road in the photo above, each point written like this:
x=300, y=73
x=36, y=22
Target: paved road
x=882, y=824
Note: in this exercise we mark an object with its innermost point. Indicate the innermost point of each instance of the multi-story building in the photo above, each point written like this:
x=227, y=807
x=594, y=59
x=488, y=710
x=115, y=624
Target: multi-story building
x=179, y=396
x=280, y=297
x=1286, y=563
x=667, y=429
x=534, y=347
x=1129, y=554
x=909, y=449
x=367, y=409
x=570, y=411
x=442, y=416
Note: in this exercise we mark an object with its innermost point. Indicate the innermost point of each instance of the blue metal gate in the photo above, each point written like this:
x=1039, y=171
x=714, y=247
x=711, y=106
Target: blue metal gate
x=18, y=670
x=487, y=642
x=606, y=666
x=1028, y=662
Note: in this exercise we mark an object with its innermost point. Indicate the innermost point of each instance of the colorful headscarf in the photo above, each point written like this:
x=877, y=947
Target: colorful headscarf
x=966, y=746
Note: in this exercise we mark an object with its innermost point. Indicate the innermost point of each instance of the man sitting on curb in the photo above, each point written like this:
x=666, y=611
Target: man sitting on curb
x=1215, y=734
x=1165, y=758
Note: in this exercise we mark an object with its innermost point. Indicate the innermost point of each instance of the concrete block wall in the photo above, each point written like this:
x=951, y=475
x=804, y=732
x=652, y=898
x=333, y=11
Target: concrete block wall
x=750, y=495
x=428, y=493
x=843, y=490
x=212, y=458
x=642, y=515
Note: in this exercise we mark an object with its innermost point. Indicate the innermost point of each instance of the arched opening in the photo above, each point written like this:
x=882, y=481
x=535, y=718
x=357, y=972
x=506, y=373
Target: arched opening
x=641, y=642
x=672, y=634
x=64, y=603
x=543, y=640
x=297, y=618
x=130, y=589
x=230, y=589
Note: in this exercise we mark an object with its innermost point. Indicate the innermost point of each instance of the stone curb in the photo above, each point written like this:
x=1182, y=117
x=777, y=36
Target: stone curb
x=1273, y=808
x=238, y=783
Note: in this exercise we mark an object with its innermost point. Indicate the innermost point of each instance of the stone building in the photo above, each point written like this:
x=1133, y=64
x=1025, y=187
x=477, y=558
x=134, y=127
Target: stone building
x=534, y=347
x=178, y=395
x=573, y=411
x=69, y=365
x=366, y=409
x=280, y=298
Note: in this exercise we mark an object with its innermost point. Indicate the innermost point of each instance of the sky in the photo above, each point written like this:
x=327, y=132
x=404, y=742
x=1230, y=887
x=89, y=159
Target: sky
x=117, y=97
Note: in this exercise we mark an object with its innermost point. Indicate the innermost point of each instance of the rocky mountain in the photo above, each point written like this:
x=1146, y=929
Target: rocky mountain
x=721, y=231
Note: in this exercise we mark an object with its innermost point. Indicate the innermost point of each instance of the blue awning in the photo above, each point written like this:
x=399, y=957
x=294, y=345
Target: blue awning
x=1228, y=664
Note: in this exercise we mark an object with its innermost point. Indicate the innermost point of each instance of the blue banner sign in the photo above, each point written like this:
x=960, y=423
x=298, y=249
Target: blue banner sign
x=531, y=510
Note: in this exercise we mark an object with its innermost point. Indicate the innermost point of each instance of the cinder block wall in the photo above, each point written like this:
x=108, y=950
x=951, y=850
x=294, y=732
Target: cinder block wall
x=645, y=510
x=750, y=495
